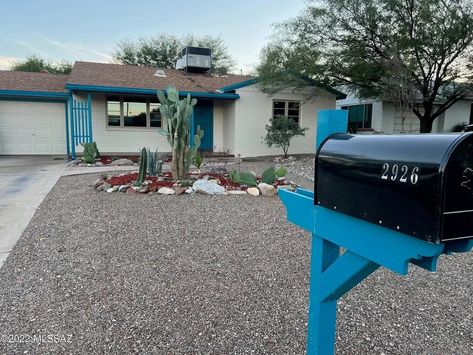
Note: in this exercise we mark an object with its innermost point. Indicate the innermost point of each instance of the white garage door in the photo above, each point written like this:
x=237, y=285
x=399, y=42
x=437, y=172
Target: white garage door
x=32, y=128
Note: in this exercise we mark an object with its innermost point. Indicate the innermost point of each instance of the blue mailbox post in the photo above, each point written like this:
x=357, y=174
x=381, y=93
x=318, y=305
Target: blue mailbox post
x=374, y=238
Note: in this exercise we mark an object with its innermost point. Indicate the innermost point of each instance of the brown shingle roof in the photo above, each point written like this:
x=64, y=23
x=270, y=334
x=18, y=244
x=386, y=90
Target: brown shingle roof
x=26, y=81
x=140, y=77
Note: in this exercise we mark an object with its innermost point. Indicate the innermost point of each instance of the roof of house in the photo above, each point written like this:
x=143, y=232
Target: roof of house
x=26, y=81
x=141, y=77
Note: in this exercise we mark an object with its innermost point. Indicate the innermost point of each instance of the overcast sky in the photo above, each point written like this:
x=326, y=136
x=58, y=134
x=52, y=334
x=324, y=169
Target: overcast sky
x=89, y=29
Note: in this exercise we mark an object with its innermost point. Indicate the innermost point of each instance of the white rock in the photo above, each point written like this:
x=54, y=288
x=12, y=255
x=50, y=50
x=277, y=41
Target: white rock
x=253, y=191
x=166, y=191
x=215, y=181
x=98, y=163
x=267, y=189
x=189, y=190
x=122, y=162
x=112, y=189
x=207, y=187
x=286, y=187
x=236, y=192
x=123, y=188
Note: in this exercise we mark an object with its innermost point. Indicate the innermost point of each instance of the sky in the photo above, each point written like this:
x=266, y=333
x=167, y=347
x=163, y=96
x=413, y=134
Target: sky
x=90, y=29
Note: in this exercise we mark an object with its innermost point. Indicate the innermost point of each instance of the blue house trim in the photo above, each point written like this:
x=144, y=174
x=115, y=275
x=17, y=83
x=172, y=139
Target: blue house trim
x=33, y=95
x=126, y=90
x=238, y=85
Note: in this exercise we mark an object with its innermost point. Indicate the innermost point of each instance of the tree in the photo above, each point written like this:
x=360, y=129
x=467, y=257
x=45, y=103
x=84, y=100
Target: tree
x=416, y=53
x=34, y=63
x=280, y=132
x=163, y=51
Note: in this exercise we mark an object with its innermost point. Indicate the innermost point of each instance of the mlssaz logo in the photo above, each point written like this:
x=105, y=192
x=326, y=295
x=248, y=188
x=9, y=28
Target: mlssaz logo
x=468, y=179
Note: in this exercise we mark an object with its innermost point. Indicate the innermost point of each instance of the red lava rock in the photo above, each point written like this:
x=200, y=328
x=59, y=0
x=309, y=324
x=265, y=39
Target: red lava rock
x=166, y=181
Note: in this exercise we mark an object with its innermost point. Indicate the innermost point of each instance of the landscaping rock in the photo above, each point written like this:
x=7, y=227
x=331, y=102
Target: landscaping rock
x=253, y=191
x=123, y=188
x=112, y=189
x=144, y=190
x=131, y=191
x=236, y=192
x=99, y=188
x=215, y=181
x=166, y=191
x=190, y=190
x=97, y=183
x=98, y=163
x=207, y=187
x=267, y=190
x=287, y=187
x=122, y=162
x=179, y=190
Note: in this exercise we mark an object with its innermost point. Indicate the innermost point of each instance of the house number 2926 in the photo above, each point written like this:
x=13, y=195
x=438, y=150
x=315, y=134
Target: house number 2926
x=401, y=173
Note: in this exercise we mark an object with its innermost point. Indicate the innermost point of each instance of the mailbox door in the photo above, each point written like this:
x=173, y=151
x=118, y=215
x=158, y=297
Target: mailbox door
x=458, y=193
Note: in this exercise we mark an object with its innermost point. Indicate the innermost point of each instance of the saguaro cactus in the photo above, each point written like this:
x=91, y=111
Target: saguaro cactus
x=177, y=117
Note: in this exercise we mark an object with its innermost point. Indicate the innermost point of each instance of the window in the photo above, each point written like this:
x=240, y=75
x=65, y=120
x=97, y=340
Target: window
x=154, y=115
x=134, y=114
x=359, y=116
x=114, y=113
x=130, y=112
x=291, y=109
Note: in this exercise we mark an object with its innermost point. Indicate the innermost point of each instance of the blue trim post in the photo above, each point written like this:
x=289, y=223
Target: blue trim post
x=73, y=145
x=89, y=108
x=66, y=114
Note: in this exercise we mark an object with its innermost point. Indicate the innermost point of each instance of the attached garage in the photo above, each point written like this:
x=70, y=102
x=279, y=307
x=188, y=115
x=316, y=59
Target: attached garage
x=33, y=113
x=32, y=128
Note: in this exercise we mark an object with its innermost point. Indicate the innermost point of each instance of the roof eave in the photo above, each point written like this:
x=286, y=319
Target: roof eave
x=239, y=85
x=144, y=91
x=25, y=94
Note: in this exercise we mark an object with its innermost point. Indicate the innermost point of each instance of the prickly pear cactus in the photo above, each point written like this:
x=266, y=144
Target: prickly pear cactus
x=177, y=115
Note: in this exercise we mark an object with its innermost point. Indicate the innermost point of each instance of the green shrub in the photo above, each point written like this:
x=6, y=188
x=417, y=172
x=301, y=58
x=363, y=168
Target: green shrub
x=280, y=131
x=90, y=153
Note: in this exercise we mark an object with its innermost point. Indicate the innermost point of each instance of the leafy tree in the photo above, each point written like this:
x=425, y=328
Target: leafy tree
x=280, y=132
x=164, y=50
x=415, y=53
x=35, y=63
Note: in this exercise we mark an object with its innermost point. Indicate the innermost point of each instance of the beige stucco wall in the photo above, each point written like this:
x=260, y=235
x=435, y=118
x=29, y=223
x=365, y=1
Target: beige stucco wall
x=120, y=140
x=253, y=111
x=239, y=126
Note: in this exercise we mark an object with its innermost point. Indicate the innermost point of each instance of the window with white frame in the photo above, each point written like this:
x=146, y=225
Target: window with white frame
x=291, y=109
x=132, y=112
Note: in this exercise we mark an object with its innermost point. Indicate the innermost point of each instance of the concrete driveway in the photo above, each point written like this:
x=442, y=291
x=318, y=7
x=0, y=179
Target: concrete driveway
x=24, y=183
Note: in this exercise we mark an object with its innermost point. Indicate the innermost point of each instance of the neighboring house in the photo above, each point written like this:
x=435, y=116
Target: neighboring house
x=116, y=106
x=386, y=117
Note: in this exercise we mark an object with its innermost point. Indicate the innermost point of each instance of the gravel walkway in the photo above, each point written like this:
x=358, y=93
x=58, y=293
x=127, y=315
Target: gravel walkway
x=117, y=273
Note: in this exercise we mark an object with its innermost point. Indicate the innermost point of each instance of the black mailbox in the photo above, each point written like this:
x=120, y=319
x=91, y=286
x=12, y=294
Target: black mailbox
x=421, y=185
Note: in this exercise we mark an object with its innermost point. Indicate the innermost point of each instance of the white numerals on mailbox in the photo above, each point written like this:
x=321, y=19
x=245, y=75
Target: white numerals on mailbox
x=401, y=174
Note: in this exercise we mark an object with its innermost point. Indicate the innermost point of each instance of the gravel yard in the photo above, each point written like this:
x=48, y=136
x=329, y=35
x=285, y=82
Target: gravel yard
x=118, y=273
